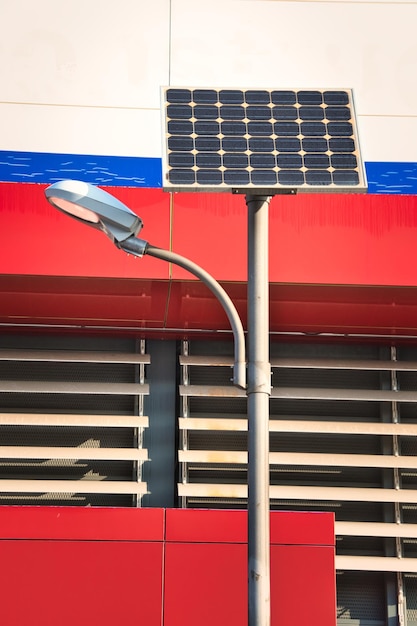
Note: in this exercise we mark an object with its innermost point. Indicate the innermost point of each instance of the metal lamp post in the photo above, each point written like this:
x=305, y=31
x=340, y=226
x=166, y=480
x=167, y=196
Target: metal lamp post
x=258, y=393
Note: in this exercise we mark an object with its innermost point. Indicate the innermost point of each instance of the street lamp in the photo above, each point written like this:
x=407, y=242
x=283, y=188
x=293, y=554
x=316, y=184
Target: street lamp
x=97, y=208
x=261, y=142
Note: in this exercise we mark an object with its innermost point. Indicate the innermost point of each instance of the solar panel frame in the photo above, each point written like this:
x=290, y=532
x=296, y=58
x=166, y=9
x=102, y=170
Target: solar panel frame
x=264, y=141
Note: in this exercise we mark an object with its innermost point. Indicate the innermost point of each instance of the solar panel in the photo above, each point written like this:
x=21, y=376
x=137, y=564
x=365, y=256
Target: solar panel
x=264, y=140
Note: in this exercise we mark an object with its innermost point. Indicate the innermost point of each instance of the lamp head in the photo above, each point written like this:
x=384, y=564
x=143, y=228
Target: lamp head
x=95, y=207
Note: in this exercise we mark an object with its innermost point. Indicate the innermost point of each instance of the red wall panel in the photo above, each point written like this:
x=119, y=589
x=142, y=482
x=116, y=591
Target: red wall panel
x=81, y=523
x=209, y=549
x=37, y=239
x=80, y=565
x=326, y=251
x=68, y=566
x=349, y=239
x=211, y=588
x=45, y=583
x=213, y=526
x=302, y=585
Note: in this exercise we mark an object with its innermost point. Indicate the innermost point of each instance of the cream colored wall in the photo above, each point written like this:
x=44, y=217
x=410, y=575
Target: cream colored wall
x=84, y=76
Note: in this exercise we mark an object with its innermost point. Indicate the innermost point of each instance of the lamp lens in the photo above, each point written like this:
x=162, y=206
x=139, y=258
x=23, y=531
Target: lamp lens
x=74, y=209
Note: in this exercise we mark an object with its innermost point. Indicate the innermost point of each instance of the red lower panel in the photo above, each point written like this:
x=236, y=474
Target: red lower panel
x=81, y=523
x=206, y=584
x=60, y=568
x=206, y=568
x=46, y=583
x=303, y=591
x=224, y=526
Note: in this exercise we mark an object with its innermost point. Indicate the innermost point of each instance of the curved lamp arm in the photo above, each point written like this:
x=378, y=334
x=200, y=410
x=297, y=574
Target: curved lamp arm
x=239, y=366
x=138, y=247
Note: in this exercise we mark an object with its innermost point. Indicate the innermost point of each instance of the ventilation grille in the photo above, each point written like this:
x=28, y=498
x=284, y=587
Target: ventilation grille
x=72, y=421
x=343, y=437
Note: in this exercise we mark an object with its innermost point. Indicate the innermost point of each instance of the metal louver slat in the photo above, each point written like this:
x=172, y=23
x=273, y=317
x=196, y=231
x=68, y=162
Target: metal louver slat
x=376, y=529
x=302, y=426
x=299, y=393
x=301, y=458
x=308, y=363
x=71, y=419
x=375, y=563
x=73, y=486
x=29, y=386
x=212, y=423
x=49, y=452
x=345, y=364
x=367, y=395
x=213, y=391
x=68, y=356
x=297, y=492
x=210, y=361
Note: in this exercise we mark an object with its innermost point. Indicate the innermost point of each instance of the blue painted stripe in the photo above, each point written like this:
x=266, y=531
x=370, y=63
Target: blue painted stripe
x=116, y=171
x=392, y=178
x=42, y=167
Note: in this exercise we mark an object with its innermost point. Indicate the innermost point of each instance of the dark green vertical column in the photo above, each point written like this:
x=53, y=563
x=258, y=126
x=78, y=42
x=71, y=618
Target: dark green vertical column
x=160, y=437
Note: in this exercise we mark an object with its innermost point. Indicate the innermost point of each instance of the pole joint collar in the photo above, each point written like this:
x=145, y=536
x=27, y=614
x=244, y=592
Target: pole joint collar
x=259, y=377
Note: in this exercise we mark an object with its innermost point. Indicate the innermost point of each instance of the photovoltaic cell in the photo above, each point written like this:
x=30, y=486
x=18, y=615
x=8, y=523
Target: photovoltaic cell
x=260, y=139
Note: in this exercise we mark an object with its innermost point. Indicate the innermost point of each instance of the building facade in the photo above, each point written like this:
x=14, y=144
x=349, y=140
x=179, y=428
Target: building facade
x=115, y=372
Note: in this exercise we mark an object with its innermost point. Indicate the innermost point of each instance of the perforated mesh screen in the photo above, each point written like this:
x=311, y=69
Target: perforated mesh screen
x=67, y=403
x=365, y=546
x=76, y=372
x=65, y=499
x=409, y=513
x=344, y=511
x=410, y=585
x=361, y=598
